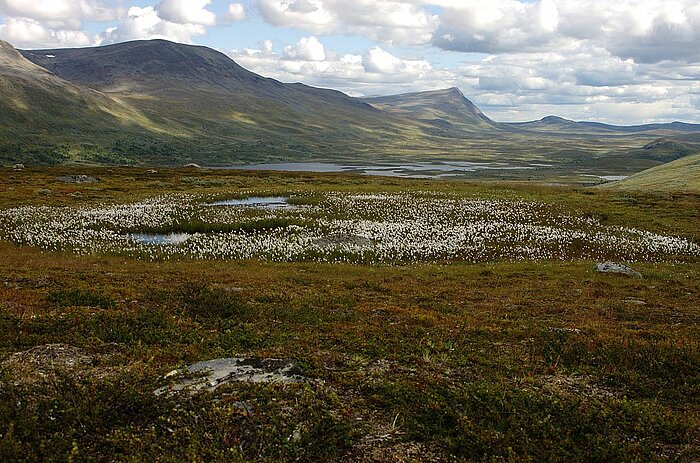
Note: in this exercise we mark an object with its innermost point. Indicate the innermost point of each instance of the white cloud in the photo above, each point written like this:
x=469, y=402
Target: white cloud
x=379, y=61
x=24, y=32
x=306, y=49
x=51, y=23
x=383, y=20
x=236, y=12
x=373, y=72
x=145, y=23
x=58, y=10
x=644, y=30
x=186, y=12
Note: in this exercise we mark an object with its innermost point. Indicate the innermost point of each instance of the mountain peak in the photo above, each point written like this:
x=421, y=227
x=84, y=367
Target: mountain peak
x=142, y=64
x=455, y=91
x=447, y=105
x=554, y=120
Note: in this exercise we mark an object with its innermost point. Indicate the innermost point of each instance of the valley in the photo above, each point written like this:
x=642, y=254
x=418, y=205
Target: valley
x=162, y=103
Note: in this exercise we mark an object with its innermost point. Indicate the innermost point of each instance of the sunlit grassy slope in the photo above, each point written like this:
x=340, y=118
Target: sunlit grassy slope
x=682, y=175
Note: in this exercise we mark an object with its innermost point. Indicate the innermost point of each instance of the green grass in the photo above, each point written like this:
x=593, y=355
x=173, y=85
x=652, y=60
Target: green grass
x=495, y=361
x=680, y=176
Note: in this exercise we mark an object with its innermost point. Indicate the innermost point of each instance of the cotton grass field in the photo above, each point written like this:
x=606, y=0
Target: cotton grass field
x=335, y=227
x=433, y=320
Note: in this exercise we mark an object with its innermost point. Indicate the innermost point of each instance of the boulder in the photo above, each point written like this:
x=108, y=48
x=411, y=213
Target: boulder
x=615, y=267
x=77, y=179
x=210, y=374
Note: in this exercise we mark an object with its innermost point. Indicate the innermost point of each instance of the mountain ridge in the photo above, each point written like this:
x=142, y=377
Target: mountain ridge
x=552, y=120
x=173, y=103
x=444, y=108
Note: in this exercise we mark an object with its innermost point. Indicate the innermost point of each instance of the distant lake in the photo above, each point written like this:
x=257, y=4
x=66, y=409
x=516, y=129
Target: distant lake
x=410, y=170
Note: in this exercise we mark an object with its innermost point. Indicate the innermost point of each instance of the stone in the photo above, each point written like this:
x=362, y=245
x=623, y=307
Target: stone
x=18, y=167
x=77, y=179
x=615, y=267
x=210, y=374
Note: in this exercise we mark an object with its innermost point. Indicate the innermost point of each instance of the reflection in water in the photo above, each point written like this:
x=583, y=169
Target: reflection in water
x=172, y=238
x=388, y=169
x=258, y=202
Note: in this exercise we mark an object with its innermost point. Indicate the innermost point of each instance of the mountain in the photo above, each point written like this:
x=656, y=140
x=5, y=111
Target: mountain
x=42, y=115
x=449, y=111
x=559, y=123
x=208, y=100
x=159, y=102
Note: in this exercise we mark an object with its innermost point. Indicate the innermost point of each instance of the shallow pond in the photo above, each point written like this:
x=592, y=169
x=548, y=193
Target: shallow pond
x=409, y=170
x=172, y=238
x=258, y=202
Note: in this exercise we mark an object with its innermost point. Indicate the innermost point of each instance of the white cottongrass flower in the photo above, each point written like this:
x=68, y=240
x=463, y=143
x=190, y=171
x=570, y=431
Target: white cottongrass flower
x=339, y=227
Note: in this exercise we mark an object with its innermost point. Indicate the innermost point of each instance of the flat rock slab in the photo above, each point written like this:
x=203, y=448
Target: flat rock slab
x=210, y=374
x=78, y=179
x=614, y=267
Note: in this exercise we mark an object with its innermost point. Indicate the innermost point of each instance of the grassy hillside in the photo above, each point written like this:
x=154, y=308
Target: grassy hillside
x=682, y=175
x=45, y=119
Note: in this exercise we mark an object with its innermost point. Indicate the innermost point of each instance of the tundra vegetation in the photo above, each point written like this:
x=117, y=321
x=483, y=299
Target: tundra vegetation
x=432, y=320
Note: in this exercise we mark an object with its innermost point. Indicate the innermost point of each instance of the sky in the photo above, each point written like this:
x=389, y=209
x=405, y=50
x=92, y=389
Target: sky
x=621, y=62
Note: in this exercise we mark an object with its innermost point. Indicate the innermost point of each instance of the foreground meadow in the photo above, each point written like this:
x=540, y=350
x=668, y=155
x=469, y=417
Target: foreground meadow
x=433, y=321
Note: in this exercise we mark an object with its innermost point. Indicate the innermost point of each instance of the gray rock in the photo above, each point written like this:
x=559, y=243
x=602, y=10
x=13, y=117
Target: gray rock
x=77, y=179
x=210, y=374
x=18, y=167
x=614, y=267
x=563, y=330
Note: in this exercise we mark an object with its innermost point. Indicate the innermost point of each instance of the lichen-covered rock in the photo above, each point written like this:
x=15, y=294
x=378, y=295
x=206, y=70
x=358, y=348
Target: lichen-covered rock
x=210, y=374
x=620, y=269
x=77, y=179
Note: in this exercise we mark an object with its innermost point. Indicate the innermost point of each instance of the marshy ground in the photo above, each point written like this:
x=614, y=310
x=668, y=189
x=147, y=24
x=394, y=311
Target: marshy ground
x=430, y=357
